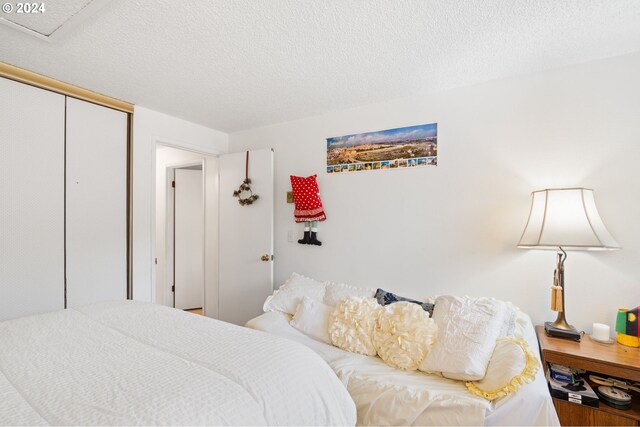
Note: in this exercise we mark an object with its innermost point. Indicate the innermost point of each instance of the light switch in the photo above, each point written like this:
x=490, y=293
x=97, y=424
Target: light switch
x=290, y=236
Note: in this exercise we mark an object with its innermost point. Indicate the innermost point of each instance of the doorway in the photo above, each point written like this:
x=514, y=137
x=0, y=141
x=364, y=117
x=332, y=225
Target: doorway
x=186, y=243
x=238, y=240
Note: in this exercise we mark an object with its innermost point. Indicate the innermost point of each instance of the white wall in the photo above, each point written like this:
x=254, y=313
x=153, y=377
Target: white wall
x=150, y=128
x=452, y=229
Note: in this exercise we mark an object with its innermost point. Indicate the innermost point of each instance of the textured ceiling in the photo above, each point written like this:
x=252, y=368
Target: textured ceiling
x=238, y=64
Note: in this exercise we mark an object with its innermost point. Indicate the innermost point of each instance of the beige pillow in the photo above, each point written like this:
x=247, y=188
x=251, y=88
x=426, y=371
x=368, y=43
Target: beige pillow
x=403, y=335
x=339, y=291
x=512, y=365
x=351, y=324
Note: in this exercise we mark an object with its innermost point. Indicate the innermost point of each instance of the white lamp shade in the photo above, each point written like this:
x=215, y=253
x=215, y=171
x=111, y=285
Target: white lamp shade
x=567, y=218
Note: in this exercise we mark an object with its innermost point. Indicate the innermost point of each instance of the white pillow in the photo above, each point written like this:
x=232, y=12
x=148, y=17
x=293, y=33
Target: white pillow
x=351, y=324
x=289, y=295
x=338, y=291
x=403, y=335
x=508, y=327
x=312, y=318
x=467, y=332
x=512, y=365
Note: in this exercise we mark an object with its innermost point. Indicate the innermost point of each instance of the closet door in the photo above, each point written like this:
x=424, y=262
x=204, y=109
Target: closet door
x=96, y=203
x=31, y=200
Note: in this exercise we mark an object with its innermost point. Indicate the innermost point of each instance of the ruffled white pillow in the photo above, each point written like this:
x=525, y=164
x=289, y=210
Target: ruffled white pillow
x=289, y=295
x=339, y=291
x=512, y=365
x=403, y=335
x=351, y=324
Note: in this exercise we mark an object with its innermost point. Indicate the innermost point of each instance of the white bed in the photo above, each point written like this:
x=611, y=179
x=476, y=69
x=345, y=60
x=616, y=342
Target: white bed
x=128, y=363
x=386, y=396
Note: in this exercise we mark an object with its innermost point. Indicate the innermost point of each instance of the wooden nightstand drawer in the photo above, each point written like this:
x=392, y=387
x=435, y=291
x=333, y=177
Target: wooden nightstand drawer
x=572, y=414
x=607, y=360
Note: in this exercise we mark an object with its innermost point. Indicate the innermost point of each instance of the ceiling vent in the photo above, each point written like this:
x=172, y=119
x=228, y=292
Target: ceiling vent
x=50, y=19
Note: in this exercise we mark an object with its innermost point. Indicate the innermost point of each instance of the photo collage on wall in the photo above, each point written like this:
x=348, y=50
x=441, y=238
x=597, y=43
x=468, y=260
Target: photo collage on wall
x=407, y=147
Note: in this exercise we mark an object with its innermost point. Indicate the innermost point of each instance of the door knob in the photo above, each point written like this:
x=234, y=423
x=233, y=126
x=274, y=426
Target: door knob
x=265, y=257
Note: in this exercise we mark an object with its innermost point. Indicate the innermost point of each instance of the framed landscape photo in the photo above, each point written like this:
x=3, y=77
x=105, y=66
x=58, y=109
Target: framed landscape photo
x=406, y=147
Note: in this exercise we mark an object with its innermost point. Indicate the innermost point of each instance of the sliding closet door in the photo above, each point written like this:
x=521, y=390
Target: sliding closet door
x=31, y=200
x=96, y=203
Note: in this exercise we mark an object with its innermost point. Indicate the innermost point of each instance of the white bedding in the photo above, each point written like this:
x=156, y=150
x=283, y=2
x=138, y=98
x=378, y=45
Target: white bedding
x=128, y=363
x=386, y=396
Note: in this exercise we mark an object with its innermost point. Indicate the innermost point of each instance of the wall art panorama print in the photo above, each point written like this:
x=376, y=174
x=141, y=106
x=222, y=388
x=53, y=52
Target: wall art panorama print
x=406, y=147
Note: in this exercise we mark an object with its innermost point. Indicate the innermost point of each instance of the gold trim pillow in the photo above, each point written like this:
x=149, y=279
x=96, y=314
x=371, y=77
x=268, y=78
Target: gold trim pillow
x=403, y=335
x=512, y=365
x=351, y=324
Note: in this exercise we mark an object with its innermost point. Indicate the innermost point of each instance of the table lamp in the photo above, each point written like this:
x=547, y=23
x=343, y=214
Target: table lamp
x=564, y=219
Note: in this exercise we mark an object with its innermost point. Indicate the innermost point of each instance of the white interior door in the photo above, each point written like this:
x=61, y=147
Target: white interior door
x=31, y=200
x=189, y=239
x=246, y=235
x=96, y=203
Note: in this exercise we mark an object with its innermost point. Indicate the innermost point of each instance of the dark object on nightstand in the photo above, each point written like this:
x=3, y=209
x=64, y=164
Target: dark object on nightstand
x=614, y=397
x=580, y=393
x=552, y=331
x=578, y=386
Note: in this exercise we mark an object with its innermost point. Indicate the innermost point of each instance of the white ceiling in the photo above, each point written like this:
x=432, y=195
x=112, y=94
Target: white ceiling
x=238, y=64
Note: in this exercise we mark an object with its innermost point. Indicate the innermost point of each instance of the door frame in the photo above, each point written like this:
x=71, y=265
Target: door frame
x=184, y=146
x=170, y=221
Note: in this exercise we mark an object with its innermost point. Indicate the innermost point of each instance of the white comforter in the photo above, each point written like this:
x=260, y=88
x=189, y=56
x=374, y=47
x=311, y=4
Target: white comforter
x=128, y=363
x=387, y=396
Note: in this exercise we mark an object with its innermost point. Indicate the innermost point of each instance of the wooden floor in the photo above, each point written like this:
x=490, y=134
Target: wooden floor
x=195, y=311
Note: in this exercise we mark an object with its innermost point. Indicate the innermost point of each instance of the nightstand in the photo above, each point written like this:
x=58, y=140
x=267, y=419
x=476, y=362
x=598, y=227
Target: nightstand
x=607, y=360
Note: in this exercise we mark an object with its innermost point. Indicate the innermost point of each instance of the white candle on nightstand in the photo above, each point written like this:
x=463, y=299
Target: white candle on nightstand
x=600, y=332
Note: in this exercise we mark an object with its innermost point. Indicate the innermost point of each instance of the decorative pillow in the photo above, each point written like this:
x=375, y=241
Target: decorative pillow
x=403, y=335
x=337, y=291
x=512, y=365
x=523, y=321
x=306, y=199
x=385, y=298
x=312, y=318
x=289, y=295
x=467, y=332
x=508, y=327
x=351, y=324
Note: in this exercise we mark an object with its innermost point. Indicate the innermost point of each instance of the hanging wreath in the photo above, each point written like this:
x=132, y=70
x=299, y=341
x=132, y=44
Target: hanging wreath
x=245, y=188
